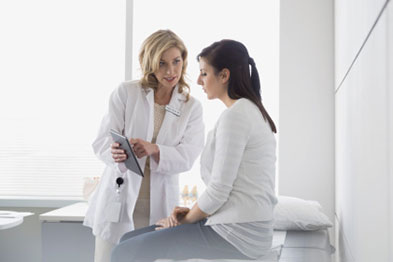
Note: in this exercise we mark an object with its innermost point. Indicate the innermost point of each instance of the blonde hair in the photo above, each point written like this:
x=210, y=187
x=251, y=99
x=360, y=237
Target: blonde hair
x=150, y=55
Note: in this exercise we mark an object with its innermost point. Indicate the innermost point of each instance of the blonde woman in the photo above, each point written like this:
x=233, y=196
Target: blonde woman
x=165, y=128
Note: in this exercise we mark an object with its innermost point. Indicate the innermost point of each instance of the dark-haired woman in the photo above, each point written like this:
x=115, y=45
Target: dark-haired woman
x=233, y=218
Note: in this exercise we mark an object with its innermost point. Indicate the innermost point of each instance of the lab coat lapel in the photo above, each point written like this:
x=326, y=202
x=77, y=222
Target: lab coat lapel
x=150, y=103
x=170, y=118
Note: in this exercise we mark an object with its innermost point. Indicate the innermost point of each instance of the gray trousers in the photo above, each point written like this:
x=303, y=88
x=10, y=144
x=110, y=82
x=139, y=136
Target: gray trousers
x=178, y=243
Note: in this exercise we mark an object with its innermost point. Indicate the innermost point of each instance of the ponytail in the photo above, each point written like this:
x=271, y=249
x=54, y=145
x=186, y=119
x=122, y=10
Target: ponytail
x=256, y=87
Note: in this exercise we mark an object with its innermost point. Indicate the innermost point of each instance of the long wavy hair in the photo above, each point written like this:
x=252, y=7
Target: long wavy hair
x=150, y=54
x=234, y=56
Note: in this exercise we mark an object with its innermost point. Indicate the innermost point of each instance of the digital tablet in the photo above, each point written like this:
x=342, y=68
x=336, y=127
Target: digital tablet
x=131, y=162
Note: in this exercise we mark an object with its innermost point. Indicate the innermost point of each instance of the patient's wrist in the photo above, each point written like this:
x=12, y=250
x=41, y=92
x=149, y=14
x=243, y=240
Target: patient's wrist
x=184, y=220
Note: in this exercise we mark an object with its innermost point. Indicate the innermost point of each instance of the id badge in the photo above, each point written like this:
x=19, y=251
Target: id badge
x=113, y=212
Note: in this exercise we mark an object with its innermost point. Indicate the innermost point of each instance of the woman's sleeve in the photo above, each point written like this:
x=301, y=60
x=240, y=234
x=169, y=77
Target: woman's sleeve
x=231, y=138
x=180, y=158
x=114, y=119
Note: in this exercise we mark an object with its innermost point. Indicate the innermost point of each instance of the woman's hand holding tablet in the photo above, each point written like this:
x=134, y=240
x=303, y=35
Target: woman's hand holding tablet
x=130, y=162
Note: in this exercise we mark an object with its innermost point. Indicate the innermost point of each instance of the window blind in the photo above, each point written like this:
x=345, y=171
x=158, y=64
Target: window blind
x=60, y=60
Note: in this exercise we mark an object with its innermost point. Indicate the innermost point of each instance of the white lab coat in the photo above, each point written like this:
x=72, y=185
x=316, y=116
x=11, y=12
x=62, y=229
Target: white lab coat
x=180, y=139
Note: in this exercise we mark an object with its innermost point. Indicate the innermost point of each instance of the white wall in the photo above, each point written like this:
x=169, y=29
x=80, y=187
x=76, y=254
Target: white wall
x=353, y=20
x=306, y=131
x=363, y=130
x=389, y=31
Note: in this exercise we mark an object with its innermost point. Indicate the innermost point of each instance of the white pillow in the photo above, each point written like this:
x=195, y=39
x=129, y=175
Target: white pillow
x=293, y=213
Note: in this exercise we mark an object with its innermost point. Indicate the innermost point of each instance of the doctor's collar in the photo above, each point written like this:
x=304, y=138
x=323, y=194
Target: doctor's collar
x=181, y=97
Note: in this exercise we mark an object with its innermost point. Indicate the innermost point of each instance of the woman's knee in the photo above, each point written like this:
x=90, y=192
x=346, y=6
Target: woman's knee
x=141, y=247
x=126, y=251
x=126, y=236
x=137, y=232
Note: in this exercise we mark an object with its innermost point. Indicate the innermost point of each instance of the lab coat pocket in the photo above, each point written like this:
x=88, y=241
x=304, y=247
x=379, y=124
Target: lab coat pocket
x=112, y=213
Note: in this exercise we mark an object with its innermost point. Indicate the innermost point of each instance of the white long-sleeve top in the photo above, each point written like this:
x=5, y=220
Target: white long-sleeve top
x=238, y=167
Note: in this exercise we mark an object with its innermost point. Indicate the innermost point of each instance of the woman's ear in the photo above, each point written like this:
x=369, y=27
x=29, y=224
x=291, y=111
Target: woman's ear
x=225, y=74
